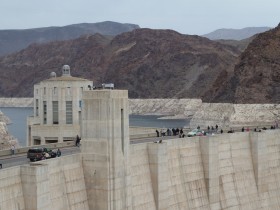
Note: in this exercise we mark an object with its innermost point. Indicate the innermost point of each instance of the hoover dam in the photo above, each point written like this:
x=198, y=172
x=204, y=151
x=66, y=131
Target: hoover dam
x=227, y=171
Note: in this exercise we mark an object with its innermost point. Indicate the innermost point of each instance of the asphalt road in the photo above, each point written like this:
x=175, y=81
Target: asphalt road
x=15, y=160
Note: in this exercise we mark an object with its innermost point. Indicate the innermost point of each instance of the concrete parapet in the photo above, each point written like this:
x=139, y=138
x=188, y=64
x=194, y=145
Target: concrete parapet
x=210, y=160
x=259, y=157
x=11, y=193
x=158, y=164
x=141, y=182
x=36, y=186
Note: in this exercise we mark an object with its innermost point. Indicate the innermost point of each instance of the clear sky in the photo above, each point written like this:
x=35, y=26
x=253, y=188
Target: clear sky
x=185, y=16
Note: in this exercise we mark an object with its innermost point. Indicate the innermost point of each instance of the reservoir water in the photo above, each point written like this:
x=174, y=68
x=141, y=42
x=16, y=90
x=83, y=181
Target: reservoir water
x=18, y=116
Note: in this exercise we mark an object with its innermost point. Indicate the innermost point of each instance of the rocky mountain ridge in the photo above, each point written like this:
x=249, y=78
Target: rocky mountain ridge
x=149, y=63
x=15, y=40
x=155, y=64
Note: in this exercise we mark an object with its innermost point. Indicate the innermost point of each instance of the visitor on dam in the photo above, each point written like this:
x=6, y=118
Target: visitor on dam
x=157, y=133
x=78, y=139
x=13, y=149
x=168, y=132
x=162, y=132
x=58, y=153
x=181, y=135
x=174, y=131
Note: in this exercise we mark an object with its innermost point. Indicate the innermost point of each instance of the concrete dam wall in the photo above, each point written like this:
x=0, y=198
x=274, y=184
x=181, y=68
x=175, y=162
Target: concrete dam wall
x=219, y=172
x=228, y=171
x=55, y=184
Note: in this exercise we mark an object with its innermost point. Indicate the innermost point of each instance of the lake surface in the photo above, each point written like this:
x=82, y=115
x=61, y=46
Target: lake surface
x=18, y=116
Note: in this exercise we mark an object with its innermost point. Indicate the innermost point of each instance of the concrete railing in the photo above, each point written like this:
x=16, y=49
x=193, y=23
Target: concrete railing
x=23, y=150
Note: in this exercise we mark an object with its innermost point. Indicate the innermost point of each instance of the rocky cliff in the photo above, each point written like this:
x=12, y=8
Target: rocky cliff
x=256, y=76
x=236, y=115
x=173, y=108
x=6, y=139
x=149, y=63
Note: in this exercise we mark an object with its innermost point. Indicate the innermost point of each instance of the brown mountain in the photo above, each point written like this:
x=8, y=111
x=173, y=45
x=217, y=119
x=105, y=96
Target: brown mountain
x=149, y=63
x=15, y=40
x=256, y=77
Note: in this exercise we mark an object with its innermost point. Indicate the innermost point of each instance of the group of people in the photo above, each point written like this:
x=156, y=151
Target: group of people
x=170, y=132
x=258, y=129
x=213, y=129
x=55, y=154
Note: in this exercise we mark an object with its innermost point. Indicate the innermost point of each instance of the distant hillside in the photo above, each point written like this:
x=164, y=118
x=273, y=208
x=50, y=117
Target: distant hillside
x=256, y=77
x=149, y=63
x=15, y=40
x=235, y=34
x=239, y=44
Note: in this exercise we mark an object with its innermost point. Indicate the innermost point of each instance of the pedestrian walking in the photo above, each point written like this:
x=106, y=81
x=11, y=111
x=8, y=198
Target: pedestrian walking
x=13, y=149
x=78, y=139
x=157, y=133
x=58, y=153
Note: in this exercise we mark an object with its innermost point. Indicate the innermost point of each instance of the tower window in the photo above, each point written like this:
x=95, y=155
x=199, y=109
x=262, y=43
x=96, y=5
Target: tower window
x=37, y=108
x=45, y=112
x=122, y=130
x=55, y=90
x=69, y=112
x=55, y=112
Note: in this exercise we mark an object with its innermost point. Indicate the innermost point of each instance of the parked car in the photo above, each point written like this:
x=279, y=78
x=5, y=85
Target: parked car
x=196, y=132
x=35, y=154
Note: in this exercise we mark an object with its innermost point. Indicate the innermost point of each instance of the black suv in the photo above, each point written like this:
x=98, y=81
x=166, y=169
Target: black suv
x=35, y=154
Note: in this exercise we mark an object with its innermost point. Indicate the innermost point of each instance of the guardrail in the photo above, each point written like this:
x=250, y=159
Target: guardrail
x=23, y=150
x=146, y=133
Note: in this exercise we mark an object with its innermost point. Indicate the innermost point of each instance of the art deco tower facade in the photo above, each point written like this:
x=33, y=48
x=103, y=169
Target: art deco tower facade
x=57, y=109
